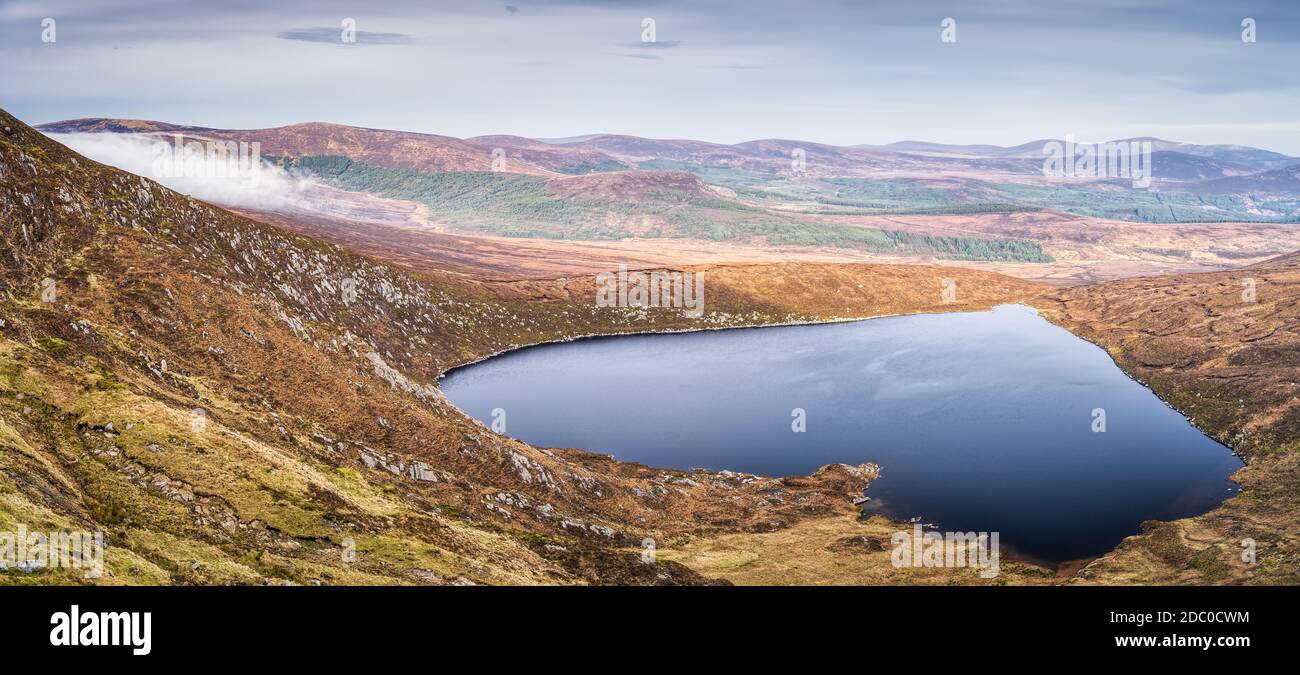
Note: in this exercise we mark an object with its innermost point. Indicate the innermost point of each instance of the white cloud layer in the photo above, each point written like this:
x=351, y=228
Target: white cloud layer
x=268, y=187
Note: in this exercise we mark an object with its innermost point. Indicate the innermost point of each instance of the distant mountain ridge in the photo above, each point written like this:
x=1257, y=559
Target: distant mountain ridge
x=1205, y=183
x=205, y=392
x=232, y=403
x=615, y=146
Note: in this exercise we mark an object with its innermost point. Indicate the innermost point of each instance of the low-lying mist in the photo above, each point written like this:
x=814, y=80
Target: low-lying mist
x=267, y=187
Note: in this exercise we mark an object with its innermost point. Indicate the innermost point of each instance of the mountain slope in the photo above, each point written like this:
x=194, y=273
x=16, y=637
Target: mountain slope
x=1224, y=349
x=232, y=403
x=1283, y=181
x=322, y=433
x=380, y=147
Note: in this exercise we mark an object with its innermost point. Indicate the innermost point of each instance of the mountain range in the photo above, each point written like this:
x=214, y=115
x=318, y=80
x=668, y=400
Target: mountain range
x=233, y=402
x=609, y=152
x=910, y=200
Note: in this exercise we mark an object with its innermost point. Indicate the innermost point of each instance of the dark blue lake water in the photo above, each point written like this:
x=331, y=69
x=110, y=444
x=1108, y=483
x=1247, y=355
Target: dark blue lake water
x=980, y=421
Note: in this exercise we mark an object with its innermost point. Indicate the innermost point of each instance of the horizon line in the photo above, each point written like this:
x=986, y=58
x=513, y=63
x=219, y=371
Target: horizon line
x=561, y=141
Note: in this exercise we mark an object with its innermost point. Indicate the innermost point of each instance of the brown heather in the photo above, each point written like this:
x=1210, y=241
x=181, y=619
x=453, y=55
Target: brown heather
x=325, y=428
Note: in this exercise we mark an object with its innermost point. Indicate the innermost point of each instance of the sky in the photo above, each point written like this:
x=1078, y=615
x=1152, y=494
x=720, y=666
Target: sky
x=832, y=71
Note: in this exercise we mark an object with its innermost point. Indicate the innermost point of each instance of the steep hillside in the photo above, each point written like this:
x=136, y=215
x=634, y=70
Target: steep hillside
x=232, y=403
x=1224, y=349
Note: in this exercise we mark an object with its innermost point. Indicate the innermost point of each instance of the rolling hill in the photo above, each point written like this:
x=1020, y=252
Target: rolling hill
x=235, y=404
x=1202, y=183
x=1223, y=348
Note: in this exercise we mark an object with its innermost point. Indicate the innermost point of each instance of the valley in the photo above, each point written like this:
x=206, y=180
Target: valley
x=325, y=432
x=606, y=199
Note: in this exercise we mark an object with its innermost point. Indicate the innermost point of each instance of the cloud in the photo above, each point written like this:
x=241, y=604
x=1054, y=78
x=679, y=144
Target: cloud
x=335, y=36
x=268, y=187
x=1115, y=68
x=651, y=57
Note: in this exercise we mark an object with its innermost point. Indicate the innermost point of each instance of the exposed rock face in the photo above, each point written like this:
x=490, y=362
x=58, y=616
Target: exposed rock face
x=233, y=403
x=274, y=415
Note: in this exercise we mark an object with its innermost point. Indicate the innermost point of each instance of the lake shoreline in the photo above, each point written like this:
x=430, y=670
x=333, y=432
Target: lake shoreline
x=642, y=451
x=680, y=331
